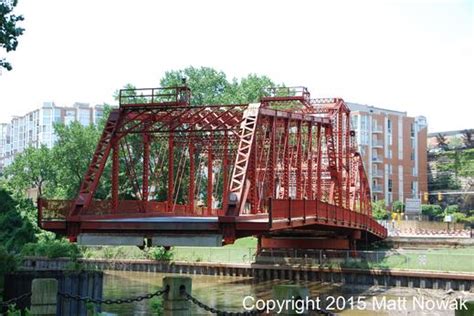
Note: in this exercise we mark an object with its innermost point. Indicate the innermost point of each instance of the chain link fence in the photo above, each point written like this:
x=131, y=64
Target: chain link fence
x=214, y=254
x=461, y=260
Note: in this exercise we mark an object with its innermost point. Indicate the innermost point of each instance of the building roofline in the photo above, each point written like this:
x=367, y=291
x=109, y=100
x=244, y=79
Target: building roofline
x=371, y=107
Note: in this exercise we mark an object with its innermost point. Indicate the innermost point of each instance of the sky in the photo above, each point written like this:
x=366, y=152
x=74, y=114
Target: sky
x=414, y=56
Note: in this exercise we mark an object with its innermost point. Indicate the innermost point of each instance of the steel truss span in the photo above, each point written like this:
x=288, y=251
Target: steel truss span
x=285, y=169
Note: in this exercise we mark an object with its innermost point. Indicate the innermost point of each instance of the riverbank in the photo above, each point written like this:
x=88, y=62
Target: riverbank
x=377, y=277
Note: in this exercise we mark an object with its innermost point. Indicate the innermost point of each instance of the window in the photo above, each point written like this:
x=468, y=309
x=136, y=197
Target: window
x=412, y=155
x=412, y=130
x=363, y=122
x=84, y=116
x=389, y=126
x=390, y=185
x=354, y=122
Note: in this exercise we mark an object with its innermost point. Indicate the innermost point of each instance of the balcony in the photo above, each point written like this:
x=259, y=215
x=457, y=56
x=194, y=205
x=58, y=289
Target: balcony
x=377, y=188
x=377, y=160
x=377, y=143
x=377, y=174
x=377, y=129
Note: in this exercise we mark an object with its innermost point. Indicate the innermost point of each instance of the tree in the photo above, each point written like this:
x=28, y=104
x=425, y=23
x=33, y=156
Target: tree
x=442, y=141
x=379, y=210
x=468, y=138
x=15, y=228
x=33, y=168
x=210, y=86
x=9, y=31
x=72, y=153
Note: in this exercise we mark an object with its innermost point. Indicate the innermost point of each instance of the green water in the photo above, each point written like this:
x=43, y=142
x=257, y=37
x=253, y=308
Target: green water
x=227, y=293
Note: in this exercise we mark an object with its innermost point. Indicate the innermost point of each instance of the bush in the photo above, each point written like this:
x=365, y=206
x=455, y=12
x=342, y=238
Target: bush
x=450, y=209
x=160, y=254
x=379, y=211
x=398, y=207
x=459, y=217
x=16, y=228
x=433, y=211
x=52, y=249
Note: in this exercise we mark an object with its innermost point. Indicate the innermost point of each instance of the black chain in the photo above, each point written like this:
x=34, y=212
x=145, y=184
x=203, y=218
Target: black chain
x=116, y=301
x=219, y=312
x=15, y=300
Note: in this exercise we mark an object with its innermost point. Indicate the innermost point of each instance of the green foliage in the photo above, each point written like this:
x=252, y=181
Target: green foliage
x=451, y=209
x=72, y=153
x=9, y=30
x=459, y=217
x=160, y=254
x=433, y=211
x=14, y=311
x=210, y=86
x=379, y=210
x=398, y=206
x=8, y=263
x=156, y=305
x=15, y=227
x=57, y=248
x=33, y=168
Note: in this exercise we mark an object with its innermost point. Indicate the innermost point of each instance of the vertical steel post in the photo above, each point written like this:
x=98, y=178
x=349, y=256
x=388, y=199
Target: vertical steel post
x=299, y=162
x=170, y=171
x=347, y=135
x=252, y=176
x=225, y=179
x=309, y=161
x=209, y=177
x=191, y=177
x=272, y=162
x=318, y=172
x=286, y=164
x=115, y=176
x=146, y=167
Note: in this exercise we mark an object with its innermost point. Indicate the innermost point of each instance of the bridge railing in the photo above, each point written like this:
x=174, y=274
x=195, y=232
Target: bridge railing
x=58, y=210
x=167, y=95
x=288, y=210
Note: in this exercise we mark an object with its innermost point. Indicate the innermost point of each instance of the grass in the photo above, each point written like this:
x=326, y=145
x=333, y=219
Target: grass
x=445, y=260
x=242, y=251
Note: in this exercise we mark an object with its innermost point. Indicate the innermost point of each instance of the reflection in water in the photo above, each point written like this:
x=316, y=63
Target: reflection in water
x=227, y=293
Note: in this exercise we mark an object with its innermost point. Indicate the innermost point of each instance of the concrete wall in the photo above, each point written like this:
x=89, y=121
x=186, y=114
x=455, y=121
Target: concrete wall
x=392, y=278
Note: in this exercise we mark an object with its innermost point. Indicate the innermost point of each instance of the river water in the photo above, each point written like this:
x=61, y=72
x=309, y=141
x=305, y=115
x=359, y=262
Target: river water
x=227, y=293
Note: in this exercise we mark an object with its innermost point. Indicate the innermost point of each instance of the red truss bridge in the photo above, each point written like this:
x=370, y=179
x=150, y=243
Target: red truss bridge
x=285, y=169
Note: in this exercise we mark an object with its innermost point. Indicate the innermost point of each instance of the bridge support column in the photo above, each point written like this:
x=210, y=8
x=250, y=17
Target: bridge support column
x=175, y=303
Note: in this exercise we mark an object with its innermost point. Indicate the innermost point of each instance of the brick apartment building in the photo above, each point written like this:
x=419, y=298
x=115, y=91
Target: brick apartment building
x=393, y=146
x=36, y=127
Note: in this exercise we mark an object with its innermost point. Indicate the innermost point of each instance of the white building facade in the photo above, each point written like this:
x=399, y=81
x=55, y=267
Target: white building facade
x=36, y=128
